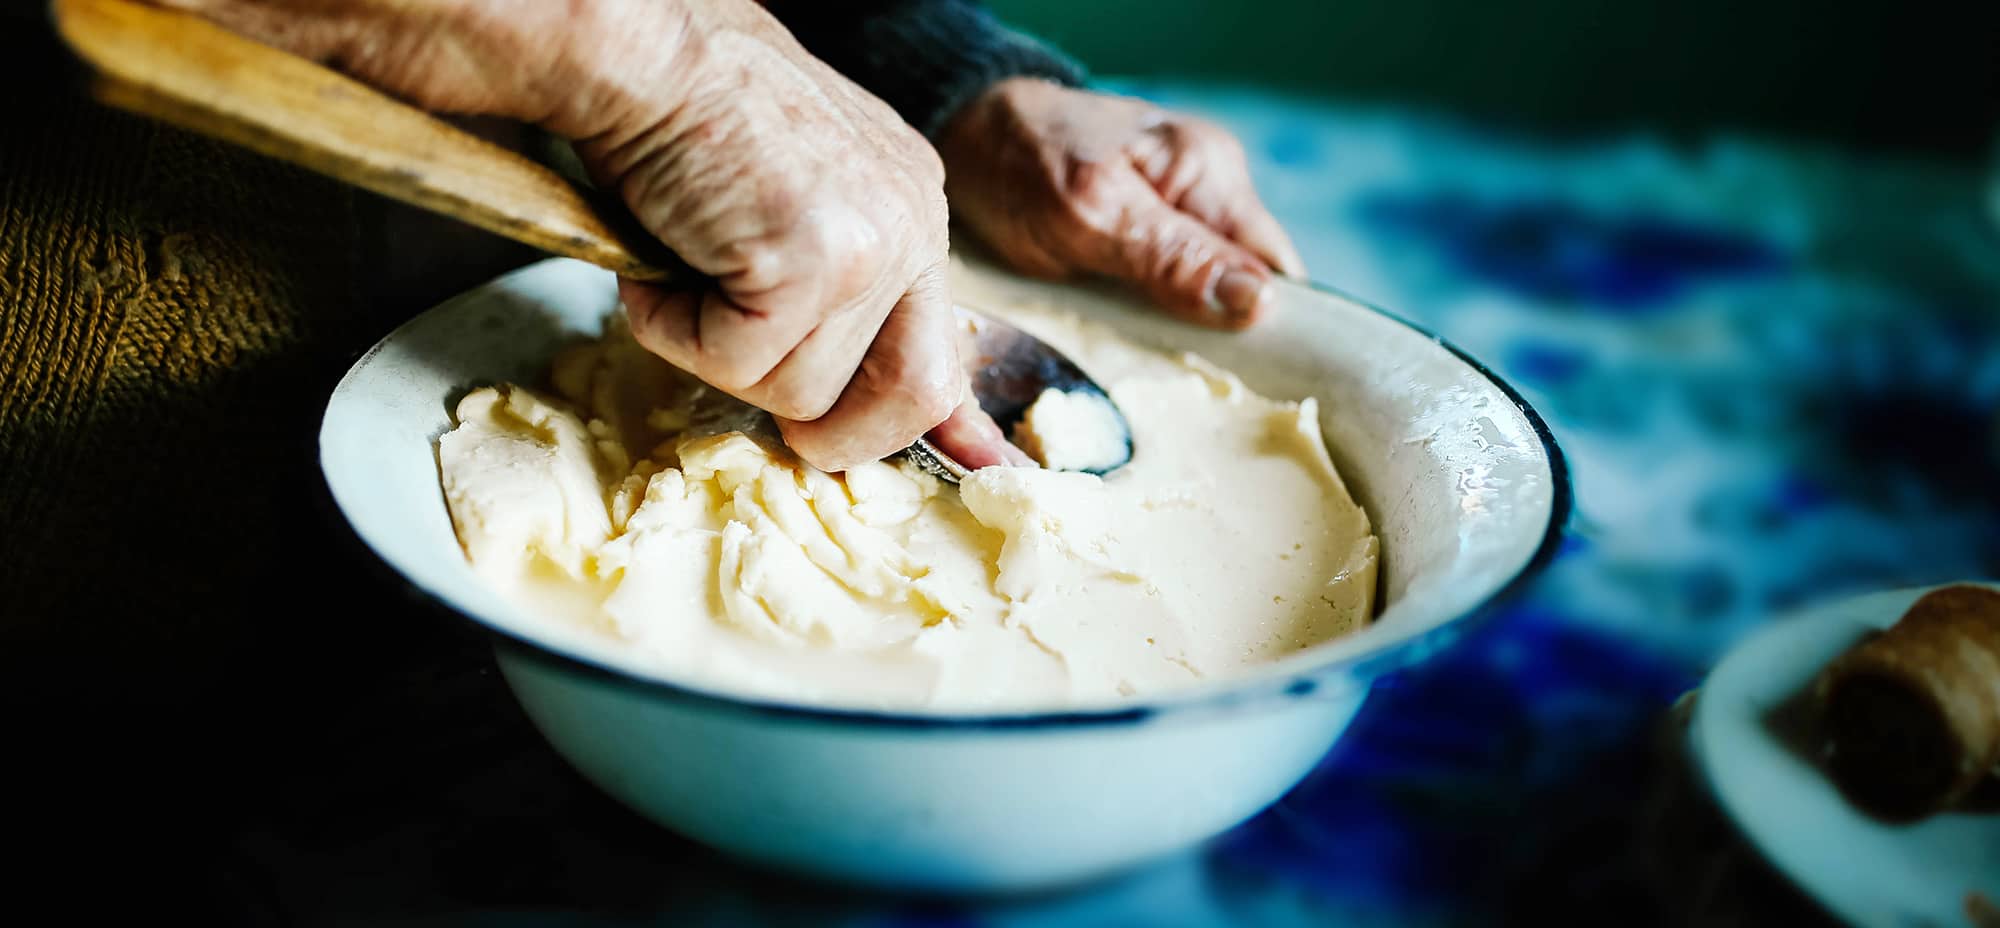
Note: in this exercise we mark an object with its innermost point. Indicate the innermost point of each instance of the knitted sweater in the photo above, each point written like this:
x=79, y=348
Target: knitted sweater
x=166, y=306
x=926, y=58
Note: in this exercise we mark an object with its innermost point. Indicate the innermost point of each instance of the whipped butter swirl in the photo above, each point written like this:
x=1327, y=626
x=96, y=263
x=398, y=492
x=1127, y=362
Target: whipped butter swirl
x=667, y=516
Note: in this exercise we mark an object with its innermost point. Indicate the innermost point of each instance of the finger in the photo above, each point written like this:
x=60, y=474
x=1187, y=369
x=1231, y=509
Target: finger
x=782, y=287
x=663, y=320
x=1200, y=169
x=806, y=384
x=1188, y=268
x=1253, y=227
x=973, y=439
x=706, y=333
x=908, y=382
x=1229, y=205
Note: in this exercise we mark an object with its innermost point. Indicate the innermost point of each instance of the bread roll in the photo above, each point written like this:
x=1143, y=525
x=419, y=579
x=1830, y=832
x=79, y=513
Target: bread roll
x=1911, y=716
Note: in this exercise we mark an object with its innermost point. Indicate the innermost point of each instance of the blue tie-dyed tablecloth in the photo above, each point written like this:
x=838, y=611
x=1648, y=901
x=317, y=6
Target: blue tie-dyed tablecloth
x=1776, y=373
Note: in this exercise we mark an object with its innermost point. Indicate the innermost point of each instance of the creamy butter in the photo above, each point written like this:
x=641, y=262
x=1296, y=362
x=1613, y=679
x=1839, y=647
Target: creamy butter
x=672, y=520
x=1072, y=431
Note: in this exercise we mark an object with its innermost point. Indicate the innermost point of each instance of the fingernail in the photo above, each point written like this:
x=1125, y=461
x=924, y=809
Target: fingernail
x=1238, y=292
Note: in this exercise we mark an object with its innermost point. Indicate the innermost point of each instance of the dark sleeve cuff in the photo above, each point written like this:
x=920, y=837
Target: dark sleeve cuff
x=925, y=58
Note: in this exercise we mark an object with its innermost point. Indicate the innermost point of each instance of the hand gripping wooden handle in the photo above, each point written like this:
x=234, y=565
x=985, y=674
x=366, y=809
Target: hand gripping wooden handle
x=194, y=74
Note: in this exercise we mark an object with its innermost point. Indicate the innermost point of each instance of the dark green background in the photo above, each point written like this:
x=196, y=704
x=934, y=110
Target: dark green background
x=1910, y=76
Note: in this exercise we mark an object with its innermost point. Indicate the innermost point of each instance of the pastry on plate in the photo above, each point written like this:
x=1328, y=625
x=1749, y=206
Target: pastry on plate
x=1911, y=717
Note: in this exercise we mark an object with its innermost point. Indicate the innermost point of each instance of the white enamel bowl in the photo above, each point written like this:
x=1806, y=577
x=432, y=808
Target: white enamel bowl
x=1463, y=482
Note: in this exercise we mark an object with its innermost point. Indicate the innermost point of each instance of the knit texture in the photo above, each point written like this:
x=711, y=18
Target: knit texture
x=186, y=622
x=925, y=58
x=165, y=304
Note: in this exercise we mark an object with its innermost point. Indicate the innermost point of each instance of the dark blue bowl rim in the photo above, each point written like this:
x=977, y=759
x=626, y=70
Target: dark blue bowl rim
x=1304, y=683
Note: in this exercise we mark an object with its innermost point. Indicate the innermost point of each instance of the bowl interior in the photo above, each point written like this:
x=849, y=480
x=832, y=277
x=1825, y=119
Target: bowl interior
x=1462, y=484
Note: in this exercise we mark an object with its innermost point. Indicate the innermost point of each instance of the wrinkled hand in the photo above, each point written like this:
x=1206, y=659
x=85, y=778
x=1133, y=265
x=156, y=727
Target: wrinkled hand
x=1062, y=181
x=819, y=214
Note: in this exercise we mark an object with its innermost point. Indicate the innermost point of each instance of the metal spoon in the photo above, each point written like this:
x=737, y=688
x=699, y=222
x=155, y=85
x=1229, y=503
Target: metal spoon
x=1011, y=370
x=183, y=70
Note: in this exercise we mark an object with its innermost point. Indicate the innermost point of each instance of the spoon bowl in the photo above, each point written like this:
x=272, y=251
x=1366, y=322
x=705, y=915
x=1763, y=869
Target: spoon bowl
x=1012, y=371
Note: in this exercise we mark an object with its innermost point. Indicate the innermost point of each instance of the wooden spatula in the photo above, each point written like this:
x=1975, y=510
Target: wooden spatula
x=189, y=72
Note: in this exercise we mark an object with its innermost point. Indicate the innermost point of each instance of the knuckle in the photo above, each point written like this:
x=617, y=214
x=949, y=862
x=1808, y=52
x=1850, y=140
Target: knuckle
x=834, y=455
x=1210, y=136
x=828, y=460
x=782, y=202
x=798, y=405
x=643, y=318
x=730, y=375
x=1175, y=132
x=920, y=392
x=1094, y=197
x=1089, y=182
x=760, y=263
x=855, y=272
x=1196, y=132
x=811, y=238
x=832, y=248
x=647, y=315
x=931, y=405
x=1174, y=255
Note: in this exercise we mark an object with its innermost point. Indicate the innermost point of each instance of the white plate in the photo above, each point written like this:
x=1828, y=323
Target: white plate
x=1862, y=870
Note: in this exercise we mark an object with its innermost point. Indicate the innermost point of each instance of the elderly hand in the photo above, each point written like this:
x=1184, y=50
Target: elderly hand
x=817, y=211
x=1062, y=181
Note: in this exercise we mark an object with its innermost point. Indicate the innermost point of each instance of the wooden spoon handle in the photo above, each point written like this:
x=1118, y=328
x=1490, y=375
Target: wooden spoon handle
x=194, y=74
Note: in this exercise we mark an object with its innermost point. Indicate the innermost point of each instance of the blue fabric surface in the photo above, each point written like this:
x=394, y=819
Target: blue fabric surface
x=1776, y=373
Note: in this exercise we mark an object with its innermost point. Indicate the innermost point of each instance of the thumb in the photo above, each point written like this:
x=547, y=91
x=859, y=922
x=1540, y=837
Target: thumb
x=1186, y=267
x=973, y=439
